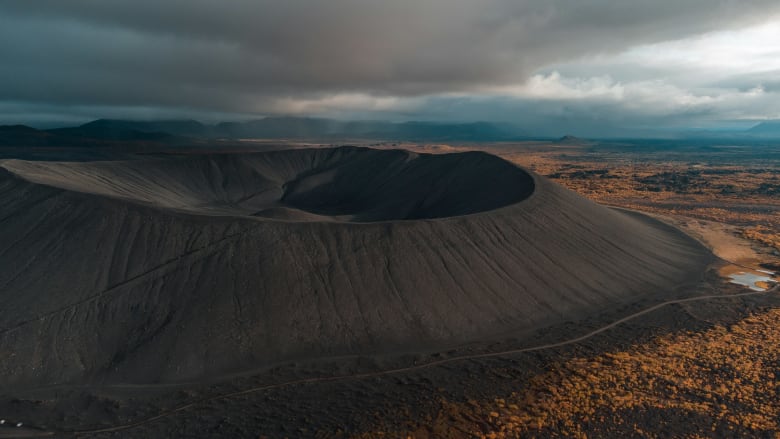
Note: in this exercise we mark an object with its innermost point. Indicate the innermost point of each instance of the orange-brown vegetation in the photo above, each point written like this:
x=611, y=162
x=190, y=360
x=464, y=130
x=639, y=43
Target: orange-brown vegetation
x=723, y=381
x=763, y=234
x=718, y=382
x=745, y=196
x=726, y=374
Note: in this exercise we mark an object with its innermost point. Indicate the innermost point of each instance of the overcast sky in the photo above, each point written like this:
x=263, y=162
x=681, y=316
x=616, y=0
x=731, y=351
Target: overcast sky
x=585, y=66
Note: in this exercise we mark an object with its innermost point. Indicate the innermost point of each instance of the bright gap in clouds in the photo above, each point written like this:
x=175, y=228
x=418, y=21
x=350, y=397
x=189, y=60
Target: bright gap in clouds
x=701, y=81
x=750, y=50
x=699, y=69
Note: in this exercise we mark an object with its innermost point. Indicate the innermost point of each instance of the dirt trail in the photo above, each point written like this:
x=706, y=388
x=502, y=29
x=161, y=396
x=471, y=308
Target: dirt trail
x=414, y=368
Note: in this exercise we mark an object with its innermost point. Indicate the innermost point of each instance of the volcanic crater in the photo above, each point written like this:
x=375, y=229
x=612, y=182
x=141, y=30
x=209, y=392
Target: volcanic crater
x=175, y=268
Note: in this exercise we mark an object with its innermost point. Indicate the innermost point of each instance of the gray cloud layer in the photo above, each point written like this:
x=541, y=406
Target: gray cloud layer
x=243, y=57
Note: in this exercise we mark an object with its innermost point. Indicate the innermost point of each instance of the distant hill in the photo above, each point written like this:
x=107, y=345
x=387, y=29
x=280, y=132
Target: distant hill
x=22, y=135
x=465, y=131
x=182, y=131
x=184, y=127
x=85, y=136
x=571, y=140
x=280, y=127
x=107, y=129
x=769, y=128
x=291, y=128
x=299, y=127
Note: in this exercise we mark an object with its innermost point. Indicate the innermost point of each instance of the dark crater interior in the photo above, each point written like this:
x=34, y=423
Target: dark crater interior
x=339, y=184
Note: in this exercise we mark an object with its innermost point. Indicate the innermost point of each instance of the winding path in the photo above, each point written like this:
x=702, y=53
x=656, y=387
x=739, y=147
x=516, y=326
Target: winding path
x=315, y=380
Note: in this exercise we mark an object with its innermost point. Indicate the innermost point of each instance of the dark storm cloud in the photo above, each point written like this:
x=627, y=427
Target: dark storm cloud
x=241, y=56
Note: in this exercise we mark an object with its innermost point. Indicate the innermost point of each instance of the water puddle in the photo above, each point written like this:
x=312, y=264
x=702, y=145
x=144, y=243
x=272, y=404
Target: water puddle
x=756, y=282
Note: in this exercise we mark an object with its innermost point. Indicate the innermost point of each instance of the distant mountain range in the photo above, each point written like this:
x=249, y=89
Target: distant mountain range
x=172, y=131
x=293, y=127
x=768, y=129
x=114, y=131
x=85, y=135
x=131, y=130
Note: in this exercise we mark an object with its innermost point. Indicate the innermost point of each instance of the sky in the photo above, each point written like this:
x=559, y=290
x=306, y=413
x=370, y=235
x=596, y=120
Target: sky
x=586, y=67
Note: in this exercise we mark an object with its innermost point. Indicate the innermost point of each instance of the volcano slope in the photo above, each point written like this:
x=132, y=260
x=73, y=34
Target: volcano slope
x=169, y=269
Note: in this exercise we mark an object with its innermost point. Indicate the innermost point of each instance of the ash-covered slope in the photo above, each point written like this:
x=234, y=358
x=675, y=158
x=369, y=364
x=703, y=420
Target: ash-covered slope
x=174, y=269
